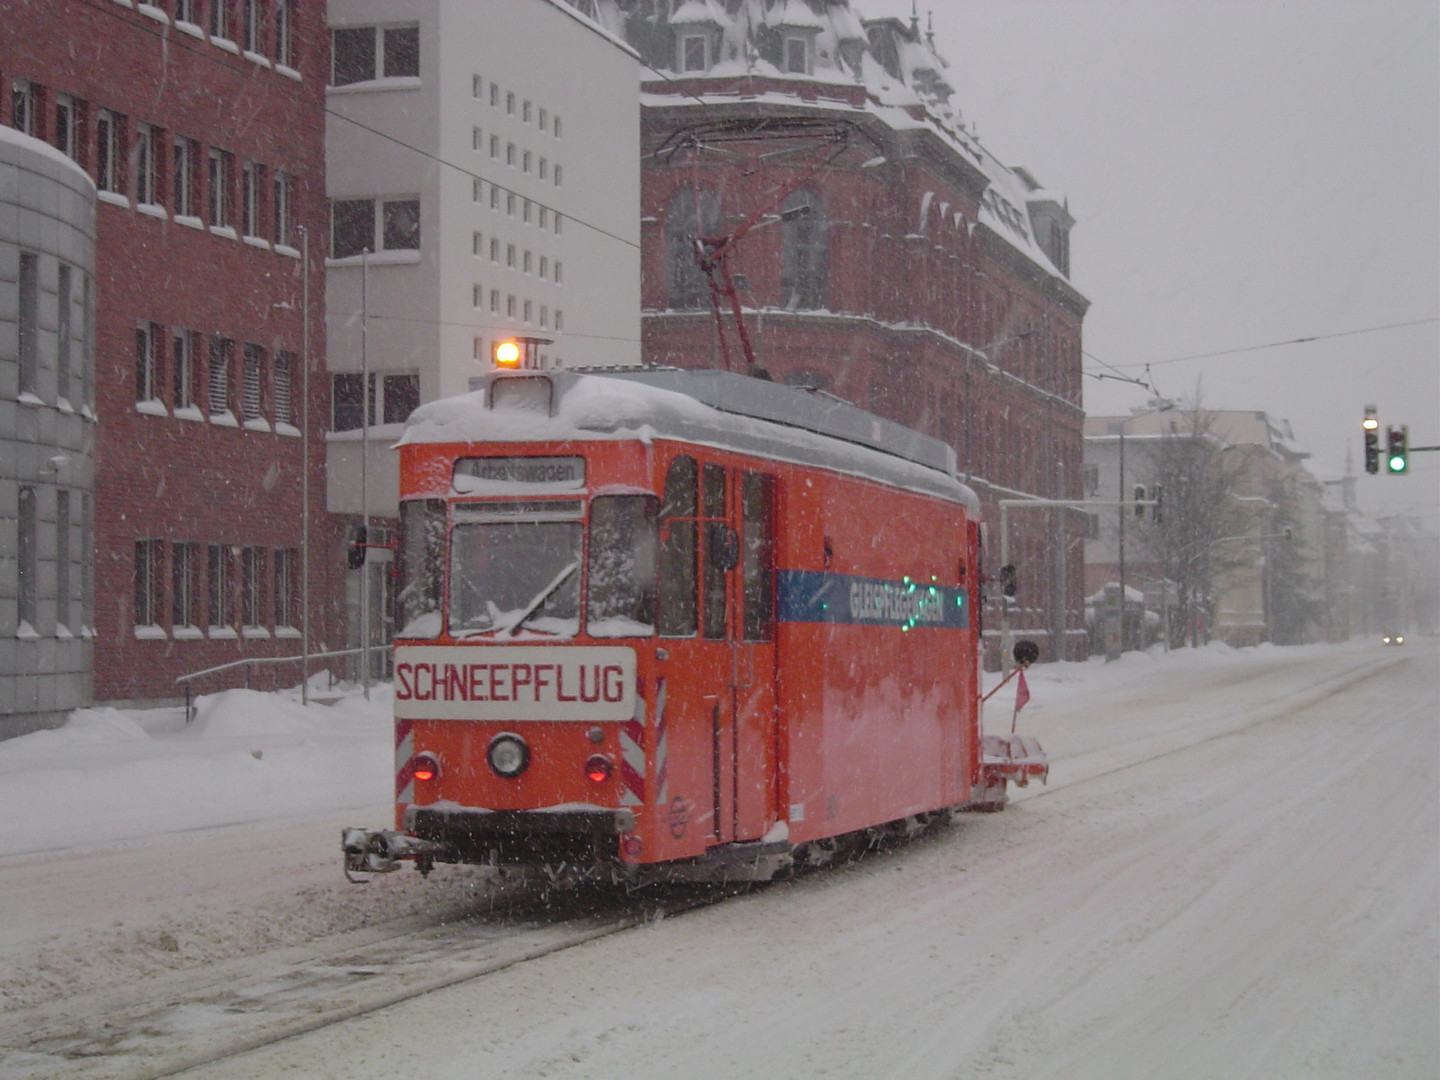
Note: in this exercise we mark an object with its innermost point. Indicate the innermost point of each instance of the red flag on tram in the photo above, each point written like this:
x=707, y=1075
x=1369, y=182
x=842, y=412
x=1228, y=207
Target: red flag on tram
x=1022, y=691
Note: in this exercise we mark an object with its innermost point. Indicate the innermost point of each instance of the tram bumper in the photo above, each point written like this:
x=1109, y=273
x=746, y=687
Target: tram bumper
x=567, y=834
x=379, y=851
x=1007, y=759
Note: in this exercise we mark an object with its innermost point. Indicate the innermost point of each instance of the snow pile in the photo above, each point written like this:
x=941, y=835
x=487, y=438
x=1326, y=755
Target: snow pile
x=109, y=775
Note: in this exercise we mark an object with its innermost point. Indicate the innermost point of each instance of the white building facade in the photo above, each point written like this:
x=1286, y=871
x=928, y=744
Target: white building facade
x=497, y=193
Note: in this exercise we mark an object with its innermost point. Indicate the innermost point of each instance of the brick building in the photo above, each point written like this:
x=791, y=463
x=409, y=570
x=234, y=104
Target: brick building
x=201, y=123
x=912, y=274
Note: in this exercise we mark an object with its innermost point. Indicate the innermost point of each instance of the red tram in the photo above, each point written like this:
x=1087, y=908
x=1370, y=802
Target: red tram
x=691, y=624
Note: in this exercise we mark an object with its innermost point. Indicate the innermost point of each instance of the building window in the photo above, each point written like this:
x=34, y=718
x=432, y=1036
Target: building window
x=67, y=127
x=62, y=559
x=252, y=574
x=797, y=55
x=544, y=267
x=544, y=120
x=284, y=34
x=559, y=272
x=219, y=575
x=286, y=576
x=286, y=366
x=694, y=53
x=495, y=147
x=218, y=384
x=525, y=111
x=510, y=256
x=688, y=290
x=559, y=176
x=510, y=104
x=219, y=188
x=355, y=224
x=281, y=209
x=494, y=96
x=185, y=585
x=544, y=218
x=804, y=270
x=147, y=582
x=220, y=19
x=557, y=125
x=252, y=366
x=147, y=362
x=529, y=311
x=510, y=154
x=87, y=565
x=183, y=171
x=525, y=162
x=186, y=12
x=29, y=328
x=527, y=262
x=28, y=549
x=494, y=301
x=23, y=106
x=107, y=151
x=559, y=319
x=251, y=177
x=364, y=53
x=183, y=361
x=510, y=306
x=64, y=330
x=348, y=402
x=147, y=185
x=401, y=397
x=250, y=30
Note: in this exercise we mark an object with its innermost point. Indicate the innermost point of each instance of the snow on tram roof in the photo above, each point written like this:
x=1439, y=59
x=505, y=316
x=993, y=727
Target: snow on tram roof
x=711, y=408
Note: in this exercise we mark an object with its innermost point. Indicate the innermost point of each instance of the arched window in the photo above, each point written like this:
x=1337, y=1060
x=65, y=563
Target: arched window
x=804, y=265
x=689, y=289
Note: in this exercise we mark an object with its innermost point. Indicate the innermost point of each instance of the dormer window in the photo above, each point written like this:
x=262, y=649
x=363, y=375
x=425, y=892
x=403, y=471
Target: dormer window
x=694, y=52
x=796, y=58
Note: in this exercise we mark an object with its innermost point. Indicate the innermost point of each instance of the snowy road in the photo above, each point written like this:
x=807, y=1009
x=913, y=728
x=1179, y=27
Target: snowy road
x=1235, y=872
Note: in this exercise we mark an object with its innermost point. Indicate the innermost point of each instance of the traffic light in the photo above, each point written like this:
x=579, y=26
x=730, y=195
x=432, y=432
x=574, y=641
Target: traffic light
x=1371, y=426
x=1397, y=459
x=355, y=553
x=1139, y=497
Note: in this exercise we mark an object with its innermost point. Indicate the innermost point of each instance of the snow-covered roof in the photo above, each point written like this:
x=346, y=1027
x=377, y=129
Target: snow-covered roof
x=709, y=408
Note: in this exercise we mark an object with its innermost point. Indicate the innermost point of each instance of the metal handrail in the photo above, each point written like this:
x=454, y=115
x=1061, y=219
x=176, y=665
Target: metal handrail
x=248, y=663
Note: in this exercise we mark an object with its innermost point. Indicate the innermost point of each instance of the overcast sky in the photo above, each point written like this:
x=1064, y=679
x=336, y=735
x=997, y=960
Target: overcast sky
x=1242, y=172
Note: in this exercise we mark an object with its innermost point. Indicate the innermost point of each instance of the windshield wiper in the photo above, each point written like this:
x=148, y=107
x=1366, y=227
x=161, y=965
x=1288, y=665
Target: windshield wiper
x=539, y=601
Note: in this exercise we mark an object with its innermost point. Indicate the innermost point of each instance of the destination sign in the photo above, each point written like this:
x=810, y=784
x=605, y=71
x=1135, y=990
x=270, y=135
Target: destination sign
x=563, y=473
x=514, y=682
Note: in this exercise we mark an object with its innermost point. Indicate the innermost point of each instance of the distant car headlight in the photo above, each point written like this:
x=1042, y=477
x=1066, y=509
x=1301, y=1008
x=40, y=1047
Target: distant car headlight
x=508, y=755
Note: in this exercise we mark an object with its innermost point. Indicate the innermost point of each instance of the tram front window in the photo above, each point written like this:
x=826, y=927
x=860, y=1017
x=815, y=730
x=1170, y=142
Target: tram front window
x=512, y=577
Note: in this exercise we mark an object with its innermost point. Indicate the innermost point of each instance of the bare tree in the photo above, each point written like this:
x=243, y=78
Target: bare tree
x=1195, y=483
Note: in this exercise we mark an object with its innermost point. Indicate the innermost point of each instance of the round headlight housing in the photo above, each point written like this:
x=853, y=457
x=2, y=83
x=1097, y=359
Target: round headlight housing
x=426, y=766
x=509, y=756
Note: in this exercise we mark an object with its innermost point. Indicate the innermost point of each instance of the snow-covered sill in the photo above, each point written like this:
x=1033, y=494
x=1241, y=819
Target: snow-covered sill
x=224, y=419
x=26, y=632
x=227, y=231
x=62, y=632
x=189, y=412
x=25, y=397
x=154, y=210
x=282, y=428
x=370, y=86
x=153, y=12
x=150, y=633
x=114, y=198
x=152, y=408
x=225, y=43
x=256, y=423
x=187, y=220
x=254, y=632
x=223, y=633
x=286, y=250
x=378, y=433
x=286, y=632
x=258, y=241
x=256, y=58
x=187, y=633
x=63, y=405
x=288, y=72
x=190, y=28
x=377, y=258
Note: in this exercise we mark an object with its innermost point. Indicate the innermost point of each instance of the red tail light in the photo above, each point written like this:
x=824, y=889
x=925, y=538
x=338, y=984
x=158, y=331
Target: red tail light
x=427, y=766
x=598, y=769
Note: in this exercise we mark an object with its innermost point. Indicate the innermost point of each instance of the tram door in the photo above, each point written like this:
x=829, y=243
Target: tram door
x=717, y=603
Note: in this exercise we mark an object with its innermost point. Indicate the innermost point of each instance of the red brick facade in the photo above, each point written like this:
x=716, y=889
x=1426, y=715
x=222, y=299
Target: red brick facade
x=205, y=135
x=930, y=316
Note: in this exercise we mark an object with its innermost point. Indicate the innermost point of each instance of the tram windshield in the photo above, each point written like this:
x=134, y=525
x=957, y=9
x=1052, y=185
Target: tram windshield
x=509, y=576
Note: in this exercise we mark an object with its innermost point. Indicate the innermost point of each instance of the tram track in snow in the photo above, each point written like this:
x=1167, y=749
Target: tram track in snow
x=270, y=998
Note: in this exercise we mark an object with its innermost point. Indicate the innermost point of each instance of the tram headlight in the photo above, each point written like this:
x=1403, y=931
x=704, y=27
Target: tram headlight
x=427, y=766
x=508, y=755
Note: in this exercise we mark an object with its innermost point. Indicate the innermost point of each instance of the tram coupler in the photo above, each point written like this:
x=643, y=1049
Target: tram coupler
x=379, y=851
x=1012, y=759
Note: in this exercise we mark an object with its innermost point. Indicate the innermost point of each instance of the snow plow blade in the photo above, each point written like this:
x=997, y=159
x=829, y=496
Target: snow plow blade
x=1012, y=758
x=379, y=851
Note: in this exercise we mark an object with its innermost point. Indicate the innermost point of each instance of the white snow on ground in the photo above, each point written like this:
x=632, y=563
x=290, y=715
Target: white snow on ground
x=1235, y=872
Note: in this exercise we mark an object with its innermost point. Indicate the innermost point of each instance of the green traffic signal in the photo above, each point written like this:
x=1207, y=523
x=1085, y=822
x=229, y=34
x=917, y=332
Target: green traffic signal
x=1398, y=458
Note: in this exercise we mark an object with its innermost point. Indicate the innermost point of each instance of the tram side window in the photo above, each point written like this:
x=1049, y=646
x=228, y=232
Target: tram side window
x=422, y=564
x=622, y=566
x=678, y=549
x=757, y=556
x=714, y=505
